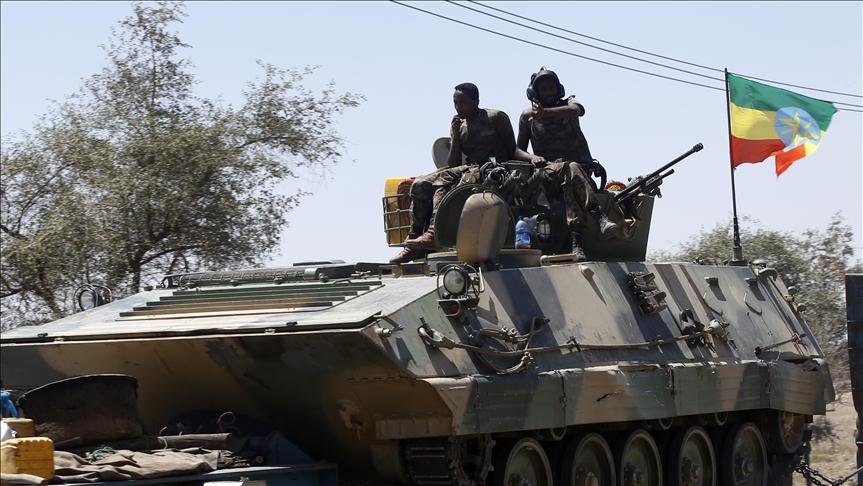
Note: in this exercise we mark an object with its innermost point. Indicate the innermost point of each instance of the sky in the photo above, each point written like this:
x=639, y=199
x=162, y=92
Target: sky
x=405, y=63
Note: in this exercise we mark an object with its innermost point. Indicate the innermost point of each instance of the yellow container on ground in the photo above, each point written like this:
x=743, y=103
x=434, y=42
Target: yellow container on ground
x=28, y=455
x=23, y=427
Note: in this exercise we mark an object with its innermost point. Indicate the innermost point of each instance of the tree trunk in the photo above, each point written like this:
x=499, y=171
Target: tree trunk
x=51, y=301
x=135, y=285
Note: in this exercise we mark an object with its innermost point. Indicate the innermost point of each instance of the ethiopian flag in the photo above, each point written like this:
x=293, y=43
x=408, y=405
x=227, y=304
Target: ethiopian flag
x=769, y=121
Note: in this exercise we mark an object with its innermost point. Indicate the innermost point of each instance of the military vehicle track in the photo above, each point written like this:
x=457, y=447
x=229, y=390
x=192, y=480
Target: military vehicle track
x=759, y=447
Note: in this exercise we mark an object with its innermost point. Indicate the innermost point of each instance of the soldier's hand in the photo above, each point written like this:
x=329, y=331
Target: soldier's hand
x=538, y=110
x=592, y=169
x=455, y=126
x=538, y=161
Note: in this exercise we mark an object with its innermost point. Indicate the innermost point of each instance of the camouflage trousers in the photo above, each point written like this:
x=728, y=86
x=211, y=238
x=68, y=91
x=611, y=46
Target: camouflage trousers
x=578, y=192
x=429, y=190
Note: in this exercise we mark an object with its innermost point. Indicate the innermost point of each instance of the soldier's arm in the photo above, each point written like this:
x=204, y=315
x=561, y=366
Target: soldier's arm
x=454, y=157
x=523, y=138
x=572, y=108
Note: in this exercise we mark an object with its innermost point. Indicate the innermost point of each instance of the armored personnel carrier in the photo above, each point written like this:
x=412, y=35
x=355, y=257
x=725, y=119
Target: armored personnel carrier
x=480, y=365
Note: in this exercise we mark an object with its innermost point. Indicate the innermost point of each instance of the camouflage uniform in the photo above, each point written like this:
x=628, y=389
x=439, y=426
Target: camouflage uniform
x=489, y=135
x=556, y=137
x=560, y=139
x=577, y=189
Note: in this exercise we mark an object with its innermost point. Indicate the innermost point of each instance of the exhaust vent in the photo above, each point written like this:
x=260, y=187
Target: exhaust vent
x=268, y=299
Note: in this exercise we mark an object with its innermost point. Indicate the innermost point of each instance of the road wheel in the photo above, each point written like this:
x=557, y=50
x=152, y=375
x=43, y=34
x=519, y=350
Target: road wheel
x=637, y=461
x=784, y=431
x=587, y=461
x=717, y=419
x=522, y=463
x=744, y=457
x=691, y=459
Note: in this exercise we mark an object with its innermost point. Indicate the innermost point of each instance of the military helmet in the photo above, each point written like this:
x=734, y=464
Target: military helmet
x=539, y=75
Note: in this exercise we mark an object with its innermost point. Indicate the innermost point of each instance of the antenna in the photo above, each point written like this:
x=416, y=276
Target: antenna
x=738, y=249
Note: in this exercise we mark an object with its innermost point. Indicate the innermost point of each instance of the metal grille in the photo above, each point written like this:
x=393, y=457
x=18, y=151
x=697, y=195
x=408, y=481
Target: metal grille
x=257, y=299
x=397, y=219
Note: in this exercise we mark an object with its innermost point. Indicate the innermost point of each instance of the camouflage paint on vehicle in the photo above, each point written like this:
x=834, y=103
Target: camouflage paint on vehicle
x=352, y=379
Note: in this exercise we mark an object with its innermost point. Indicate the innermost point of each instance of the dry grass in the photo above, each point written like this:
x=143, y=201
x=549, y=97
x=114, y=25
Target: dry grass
x=833, y=448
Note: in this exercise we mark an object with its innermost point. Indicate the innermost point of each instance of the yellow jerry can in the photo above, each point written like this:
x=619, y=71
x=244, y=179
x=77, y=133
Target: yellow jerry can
x=28, y=455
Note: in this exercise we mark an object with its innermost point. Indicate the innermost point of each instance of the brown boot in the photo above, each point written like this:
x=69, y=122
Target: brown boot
x=407, y=255
x=424, y=241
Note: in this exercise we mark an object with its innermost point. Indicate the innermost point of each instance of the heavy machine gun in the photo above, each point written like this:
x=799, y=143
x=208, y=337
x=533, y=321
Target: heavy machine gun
x=649, y=184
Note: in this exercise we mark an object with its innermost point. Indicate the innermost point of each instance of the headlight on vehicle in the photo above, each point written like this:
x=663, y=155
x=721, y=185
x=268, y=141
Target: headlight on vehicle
x=89, y=296
x=88, y=299
x=543, y=228
x=455, y=281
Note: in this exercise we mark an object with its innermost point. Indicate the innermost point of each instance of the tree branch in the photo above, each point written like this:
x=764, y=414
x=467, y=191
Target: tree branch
x=9, y=292
x=12, y=232
x=32, y=200
x=152, y=257
x=261, y=140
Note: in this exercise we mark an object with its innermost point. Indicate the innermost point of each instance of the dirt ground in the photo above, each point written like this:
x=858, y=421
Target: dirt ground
x=833, y=449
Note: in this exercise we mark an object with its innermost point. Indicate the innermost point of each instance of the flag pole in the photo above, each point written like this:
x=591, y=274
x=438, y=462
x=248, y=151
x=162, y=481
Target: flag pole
x=738, y=250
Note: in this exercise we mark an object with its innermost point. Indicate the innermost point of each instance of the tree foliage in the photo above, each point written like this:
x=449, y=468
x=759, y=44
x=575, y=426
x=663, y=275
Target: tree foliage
x=135, y=176
x=814, y=262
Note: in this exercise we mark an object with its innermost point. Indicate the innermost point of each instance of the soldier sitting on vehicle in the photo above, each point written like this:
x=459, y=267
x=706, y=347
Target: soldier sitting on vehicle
x=478, y=134
x=552, y=128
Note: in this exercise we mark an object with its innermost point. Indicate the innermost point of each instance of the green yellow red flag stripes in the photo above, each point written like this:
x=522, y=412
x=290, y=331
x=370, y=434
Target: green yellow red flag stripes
x=769, y=121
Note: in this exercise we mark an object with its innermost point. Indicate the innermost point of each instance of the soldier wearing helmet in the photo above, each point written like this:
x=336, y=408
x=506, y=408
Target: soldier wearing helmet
x=552, y=128
x=478, y=135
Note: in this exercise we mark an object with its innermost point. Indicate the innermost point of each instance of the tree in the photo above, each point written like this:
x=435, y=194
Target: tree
x=814, y=263
x=135, y=176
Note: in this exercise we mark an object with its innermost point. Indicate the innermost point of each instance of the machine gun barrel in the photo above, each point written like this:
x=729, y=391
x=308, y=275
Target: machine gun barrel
x=655, y=177
x=517, y=164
